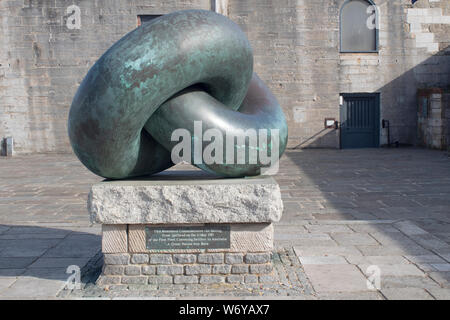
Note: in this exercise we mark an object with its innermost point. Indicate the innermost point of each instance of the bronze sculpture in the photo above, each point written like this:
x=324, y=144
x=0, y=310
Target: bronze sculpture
x=181, y=68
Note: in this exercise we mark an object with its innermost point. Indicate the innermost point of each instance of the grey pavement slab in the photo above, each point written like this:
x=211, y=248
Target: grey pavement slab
x=440, y=293
x=406, y=294
x=336, y=278
x=398, y=270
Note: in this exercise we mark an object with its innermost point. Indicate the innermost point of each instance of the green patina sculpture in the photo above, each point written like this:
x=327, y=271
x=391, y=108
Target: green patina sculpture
x=182, y=67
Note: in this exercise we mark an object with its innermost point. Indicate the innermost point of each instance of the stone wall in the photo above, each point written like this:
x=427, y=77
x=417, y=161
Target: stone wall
x=43, y=60
x=297, y=52
x=296, y=46
x=186, y=268
x=432, y=118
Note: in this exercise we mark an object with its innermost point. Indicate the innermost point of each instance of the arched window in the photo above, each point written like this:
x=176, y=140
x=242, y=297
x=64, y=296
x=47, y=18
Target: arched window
x=359, y=26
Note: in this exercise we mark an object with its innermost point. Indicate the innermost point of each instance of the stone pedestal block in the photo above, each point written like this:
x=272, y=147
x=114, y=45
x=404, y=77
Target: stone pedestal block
x=173, y=229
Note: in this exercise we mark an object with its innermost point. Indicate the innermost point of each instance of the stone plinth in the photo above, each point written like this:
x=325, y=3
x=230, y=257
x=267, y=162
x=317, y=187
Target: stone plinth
x=176, y=228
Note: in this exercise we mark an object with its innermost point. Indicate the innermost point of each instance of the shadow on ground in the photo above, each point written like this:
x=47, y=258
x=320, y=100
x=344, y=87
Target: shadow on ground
x=33, y=252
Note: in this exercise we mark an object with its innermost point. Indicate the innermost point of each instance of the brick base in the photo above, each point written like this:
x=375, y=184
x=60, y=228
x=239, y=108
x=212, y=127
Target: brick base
x=128, y=261
x=186, y=268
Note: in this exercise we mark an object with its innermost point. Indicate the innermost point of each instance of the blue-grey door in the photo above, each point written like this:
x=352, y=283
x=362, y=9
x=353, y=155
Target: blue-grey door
x=360, y=120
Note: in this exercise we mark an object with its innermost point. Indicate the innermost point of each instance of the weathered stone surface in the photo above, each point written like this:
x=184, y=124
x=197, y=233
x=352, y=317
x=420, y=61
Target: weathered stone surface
x=221, y=269
x=169, y=270
x=112, y=270
x=114, y=238
x=239, y=269
x=185, y=279
x=184, y=258
x=261, y=268
x=212, y=279
x=148, y=270
x=210, y=258
x=160, y=279
x=198, y=269
x=132, y=270
x=190, y=201
x=257, y=257
x=160, y=259
x=235, y=279
x=134, y=280
x=116, y=259
x=139, y=258
x=234, y=258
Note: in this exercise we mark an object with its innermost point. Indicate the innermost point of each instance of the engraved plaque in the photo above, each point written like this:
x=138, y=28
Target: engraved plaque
x=204, y=237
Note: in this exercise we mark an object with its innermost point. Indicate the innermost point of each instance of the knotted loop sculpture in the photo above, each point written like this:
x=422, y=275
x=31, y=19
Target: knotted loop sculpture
x=178, y=69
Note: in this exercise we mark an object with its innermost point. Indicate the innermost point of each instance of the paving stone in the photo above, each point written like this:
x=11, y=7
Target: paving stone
x=441, y=266
x=443, y=278
x=59, y=262
x=26, y=248
x=440, y=293
x=76, y=246
x=393, y=250
x=409, y=228
x=336, y=278
x=325, y=251
x=6, y=282
x=323, y=260
x=353, y=239
x=425, y=259
x=398, y=270
x=33, y=288
x=15, y=262
x=373, y=228
x=429, y=241
x=365, y=295
x=376, y=260
x=407, y=282
x=406, y=294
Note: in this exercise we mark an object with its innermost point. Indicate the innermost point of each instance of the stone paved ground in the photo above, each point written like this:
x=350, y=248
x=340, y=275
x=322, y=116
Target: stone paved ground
x=348, y=214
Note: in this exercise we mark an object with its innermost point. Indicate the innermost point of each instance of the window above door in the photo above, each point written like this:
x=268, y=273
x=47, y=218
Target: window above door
x=359, y=27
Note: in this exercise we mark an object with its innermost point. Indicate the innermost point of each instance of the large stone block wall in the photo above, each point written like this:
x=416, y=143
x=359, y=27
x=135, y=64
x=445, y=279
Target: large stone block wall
x=42, y=61
x=296, y=46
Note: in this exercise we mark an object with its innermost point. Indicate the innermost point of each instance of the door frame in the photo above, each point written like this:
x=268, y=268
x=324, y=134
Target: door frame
x=377, y=96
